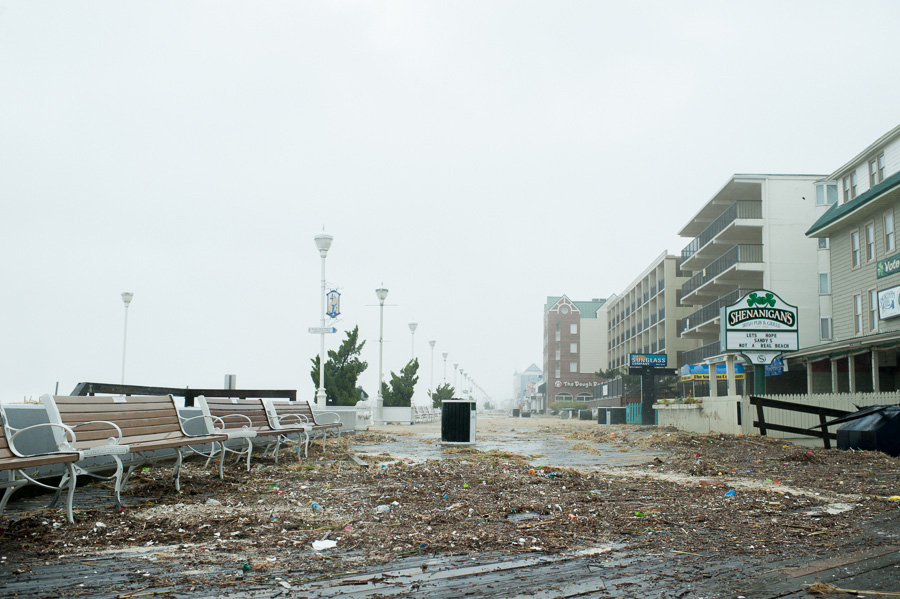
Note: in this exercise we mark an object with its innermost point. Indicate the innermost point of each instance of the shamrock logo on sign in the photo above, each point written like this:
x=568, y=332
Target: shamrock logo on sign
x=755, y=300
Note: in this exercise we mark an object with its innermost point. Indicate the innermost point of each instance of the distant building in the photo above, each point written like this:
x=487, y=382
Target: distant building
x=644, y=318
x=858, y=276
x=575, y=347
x=525, y=387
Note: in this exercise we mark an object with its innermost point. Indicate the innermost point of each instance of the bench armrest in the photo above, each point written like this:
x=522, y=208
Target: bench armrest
x=332, y=417
x=219, y=420
x=288, y=418
x=67, y=445
x=111, y=440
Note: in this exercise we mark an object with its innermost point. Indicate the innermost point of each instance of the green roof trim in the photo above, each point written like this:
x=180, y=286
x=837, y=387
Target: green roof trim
x=587, y=309
x=838, y=211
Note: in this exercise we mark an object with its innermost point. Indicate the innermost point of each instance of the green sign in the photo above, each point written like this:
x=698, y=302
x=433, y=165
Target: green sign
x=888, y=266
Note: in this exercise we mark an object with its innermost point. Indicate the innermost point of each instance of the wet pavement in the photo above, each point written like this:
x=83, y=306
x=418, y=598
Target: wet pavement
x=521, y=436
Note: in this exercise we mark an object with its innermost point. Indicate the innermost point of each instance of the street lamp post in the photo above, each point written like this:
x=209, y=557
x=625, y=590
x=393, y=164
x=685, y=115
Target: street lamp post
x=126, y=298
x=431, y=383
x=381, y=292
x=445, y=367
x=412, y=329
x=323, y=243
x=455, y=370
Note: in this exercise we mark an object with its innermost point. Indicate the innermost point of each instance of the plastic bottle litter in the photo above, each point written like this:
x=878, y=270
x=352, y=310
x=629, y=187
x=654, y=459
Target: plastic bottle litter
x=730, y=493
x=316, y=507
x=382, y=509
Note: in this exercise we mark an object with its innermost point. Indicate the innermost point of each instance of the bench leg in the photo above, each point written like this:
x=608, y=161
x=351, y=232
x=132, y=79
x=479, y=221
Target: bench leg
x=277, y=447
x=13, y=485
x=176, y=469
x=249, y=452
x=221, y=463
x=73, y=477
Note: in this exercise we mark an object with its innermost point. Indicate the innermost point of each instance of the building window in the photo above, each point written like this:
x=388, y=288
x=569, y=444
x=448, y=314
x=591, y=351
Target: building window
x=889, y=244
x=873, y=310
x=573, y=366
x=870, y=242
x=823, y=243
x=557, y=372
x=849, y=184
x=857, y=314
x=876, y=170
x=557, y=353
x=854, y=249
x=825, y=327
x=573, y=348
x=824, y=288
x=826, y=194
x=557, y=331
x=573, y=328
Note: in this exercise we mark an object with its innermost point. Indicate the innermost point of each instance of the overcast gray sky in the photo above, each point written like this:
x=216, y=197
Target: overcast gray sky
x=474, y=157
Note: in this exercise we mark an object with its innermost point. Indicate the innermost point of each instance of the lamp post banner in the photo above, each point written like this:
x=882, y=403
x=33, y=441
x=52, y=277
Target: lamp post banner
x=333, y=301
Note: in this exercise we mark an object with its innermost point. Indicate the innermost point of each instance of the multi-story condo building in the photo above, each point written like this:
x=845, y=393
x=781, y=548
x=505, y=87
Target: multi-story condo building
x=750, y=235
x=643, y=319
x=575, y=347
x=859, y=275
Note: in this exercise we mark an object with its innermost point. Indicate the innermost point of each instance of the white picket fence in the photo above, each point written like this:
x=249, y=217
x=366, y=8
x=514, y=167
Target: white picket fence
x=838, y=401
x=720, y=415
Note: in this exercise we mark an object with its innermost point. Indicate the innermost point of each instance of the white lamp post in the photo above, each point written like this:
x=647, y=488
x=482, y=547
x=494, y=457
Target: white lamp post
x=431, y=383
x=445, y=367
x=455, y=370
x=381, y=292
x=126, y=298
x=323, y=242
x=412, y=329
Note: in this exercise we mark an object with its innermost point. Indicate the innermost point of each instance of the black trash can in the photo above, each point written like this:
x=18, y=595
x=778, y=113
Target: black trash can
x=458, y=421
x=615, y=416
x=516, y=412
x=601, y=416
x=584, y=415
x=876, y=429
x=526, y=413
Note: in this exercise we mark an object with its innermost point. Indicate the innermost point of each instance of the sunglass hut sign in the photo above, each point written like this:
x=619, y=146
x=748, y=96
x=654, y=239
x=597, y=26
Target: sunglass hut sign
x=761, y=321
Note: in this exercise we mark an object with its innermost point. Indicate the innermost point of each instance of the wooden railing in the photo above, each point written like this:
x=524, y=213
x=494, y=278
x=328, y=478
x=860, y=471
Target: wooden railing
x=823, y=413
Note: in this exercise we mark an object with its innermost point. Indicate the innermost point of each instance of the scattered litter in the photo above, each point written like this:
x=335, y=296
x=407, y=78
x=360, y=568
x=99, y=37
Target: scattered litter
x=730, y=493
x=324, y=544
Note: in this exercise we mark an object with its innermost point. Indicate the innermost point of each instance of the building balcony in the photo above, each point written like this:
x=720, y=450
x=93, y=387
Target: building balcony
x=741, y=266
x=740, y=223
x=698, y=355
x=705, y=321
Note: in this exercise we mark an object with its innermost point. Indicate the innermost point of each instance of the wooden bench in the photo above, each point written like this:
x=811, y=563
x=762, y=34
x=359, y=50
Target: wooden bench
x=15, y=464
x=246, y=420
x=127, y=429
x=285, y=414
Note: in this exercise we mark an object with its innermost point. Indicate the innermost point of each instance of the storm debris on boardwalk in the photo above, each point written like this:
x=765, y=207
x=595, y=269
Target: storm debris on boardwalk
x=720, y=496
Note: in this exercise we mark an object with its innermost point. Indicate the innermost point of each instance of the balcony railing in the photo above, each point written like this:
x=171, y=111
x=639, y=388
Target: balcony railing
x=710, y=311
x=695, y=356
x=740, y=209
x=743, y=254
